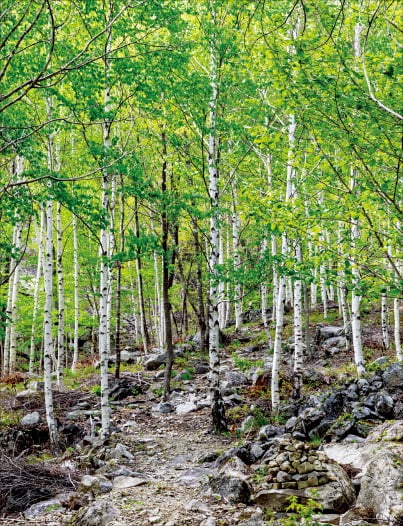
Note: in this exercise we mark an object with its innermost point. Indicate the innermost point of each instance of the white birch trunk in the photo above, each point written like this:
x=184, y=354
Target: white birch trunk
x=14, y=295
x=159, y=318
x=298, y=335
x=105, y=274
x=385, y=321
x=76, y=295
x=61, y=357
x=290, y=189
x=355, y=297
x=36, y=292
x=219, y=422
x=275, y=389
x=275, y=278
x=396, y=323
x=221, y=289
x=47, y=318
x=237, y=257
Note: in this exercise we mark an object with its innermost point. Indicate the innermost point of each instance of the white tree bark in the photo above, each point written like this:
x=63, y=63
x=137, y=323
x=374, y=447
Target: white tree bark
x=219, y=422
x=10, y=340
x=36, y=291
x=396, y=324
x=290, y=190
x=61, y=357
x=105, y=273
x=385, y=321
x=237, y=255
x=275, y=278
x=47, y=318
x=76, y=270
x=222, y=304
x=298, y=335
x=356, y=297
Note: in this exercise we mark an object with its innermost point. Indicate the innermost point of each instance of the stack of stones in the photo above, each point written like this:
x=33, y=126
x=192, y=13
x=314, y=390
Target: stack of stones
x=292, y=464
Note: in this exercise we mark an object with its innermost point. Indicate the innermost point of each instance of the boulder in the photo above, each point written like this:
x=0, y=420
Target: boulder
x=235, y=379
x=324, y=333
x=186, y=407
x=31, y=419
x=94, y=485
x=101, y=513
x=234, y=490
x=335, y=496
x=379, y=460
x=393, y=376
x=156, y=359
x=123, y=482
x=44, y=507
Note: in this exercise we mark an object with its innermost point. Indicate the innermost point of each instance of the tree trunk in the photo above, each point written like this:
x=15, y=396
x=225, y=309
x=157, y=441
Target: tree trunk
x=61, y=358
x=219, y=421
x=166, y=279
x=356, y=297
x=36, y=291
x=143, y=322
x=298, y=335
x=76, y=296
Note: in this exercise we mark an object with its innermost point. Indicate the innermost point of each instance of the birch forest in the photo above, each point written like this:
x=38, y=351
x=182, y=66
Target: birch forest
x=200, y=203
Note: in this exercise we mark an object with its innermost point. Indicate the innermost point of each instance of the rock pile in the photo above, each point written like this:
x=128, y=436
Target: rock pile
x=293, y=464
x=295, y=468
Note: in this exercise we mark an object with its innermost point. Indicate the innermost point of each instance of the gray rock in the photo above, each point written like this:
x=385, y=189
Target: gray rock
x=120, y=452
x=393, y=376
x=197, y=506
x=335, y=496
x=335, y=341
x=165, y=407
x=201, y=368
x=384, y=405
x=101, y=513
x=269, y=431
x=31, y=419
x=41, y=508
x=378, y=459
x=122, y=482
x=185, y=408
x=324, y=333
x=95, y=485
x=362, y=412
x=235, y=490
x=235, y=379
x=154, y=361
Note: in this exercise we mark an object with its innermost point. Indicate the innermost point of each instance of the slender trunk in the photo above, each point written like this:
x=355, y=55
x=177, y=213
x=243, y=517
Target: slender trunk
x=14, y=295
x=290, y=190
x=119, y=282
x=60, y=295
x=76, y=297
x=307, y=332
x=36, y=293
x=219, y=421
x=396, y=316
x=47, y=317
x=237, y=257
x=298, y=336
x=105, y=272
x=356, y=297
x=263, y=292
x=143, y=323
x=222, y=305
x=275, y=278
x=385, y=321
x=166, y=274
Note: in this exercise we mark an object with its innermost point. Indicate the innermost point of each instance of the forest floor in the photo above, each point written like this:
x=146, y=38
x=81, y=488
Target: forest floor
x=169, y=449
